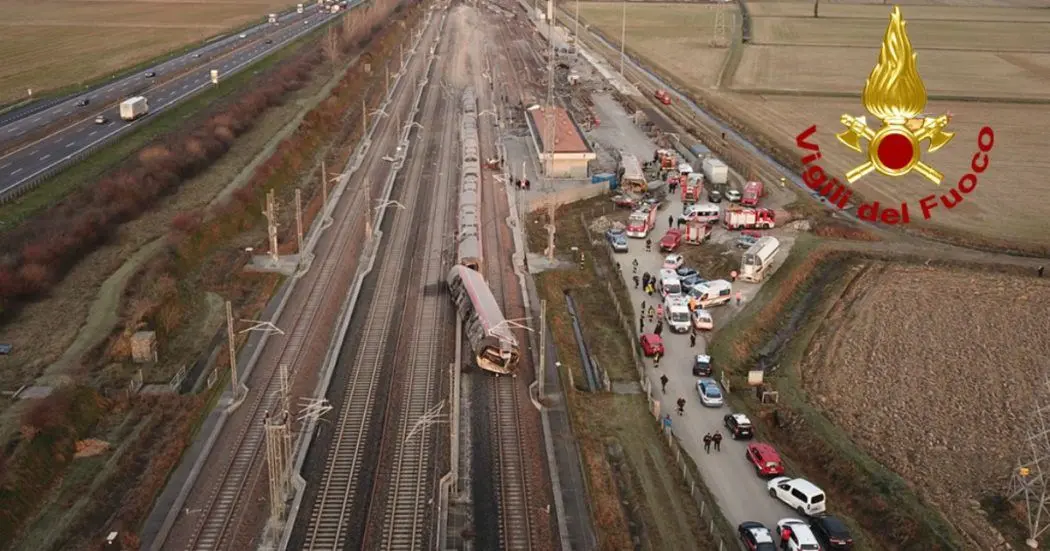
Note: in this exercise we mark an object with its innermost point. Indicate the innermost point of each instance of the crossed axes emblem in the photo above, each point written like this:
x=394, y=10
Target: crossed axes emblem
x=914, y=130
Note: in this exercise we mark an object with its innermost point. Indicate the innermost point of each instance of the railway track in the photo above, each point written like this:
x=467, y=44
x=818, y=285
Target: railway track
x=509, y=463
x=336, y=508
x=216, y=520
x=399, y=509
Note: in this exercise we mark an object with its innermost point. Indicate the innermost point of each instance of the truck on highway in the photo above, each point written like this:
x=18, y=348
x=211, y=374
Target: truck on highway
x=133, y=108
x=298, y=8
x=752, y=192
x=272, y=17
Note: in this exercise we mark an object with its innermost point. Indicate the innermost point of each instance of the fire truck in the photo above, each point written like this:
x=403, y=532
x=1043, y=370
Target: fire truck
x=641, y=222
x=752, y=192
x=739, y=219
x=667, y=158
x=692, y=188
x=696, y=232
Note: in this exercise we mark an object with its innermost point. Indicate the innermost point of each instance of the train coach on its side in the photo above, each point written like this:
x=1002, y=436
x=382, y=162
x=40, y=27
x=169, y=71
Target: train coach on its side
x=493, y=343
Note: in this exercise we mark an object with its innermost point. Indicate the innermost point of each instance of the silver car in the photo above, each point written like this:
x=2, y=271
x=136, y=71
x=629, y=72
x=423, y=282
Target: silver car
x=733, y=196
x=710, y=393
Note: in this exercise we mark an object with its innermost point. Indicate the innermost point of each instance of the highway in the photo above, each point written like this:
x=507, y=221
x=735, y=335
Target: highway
x=50, y=110
x=32, y=162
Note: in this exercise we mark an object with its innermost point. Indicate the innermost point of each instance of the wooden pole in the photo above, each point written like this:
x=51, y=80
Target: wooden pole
x=233, y=348
x=299, y=218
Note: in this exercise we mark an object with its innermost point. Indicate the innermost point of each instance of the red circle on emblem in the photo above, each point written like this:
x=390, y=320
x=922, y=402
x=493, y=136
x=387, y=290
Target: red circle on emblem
x=895, y=151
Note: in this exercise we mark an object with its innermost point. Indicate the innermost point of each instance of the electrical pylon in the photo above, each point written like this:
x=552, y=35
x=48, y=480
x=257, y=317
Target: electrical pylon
x=1028, y=481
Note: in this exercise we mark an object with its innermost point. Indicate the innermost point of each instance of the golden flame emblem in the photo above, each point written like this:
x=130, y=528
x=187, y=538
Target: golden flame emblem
x=894, y=94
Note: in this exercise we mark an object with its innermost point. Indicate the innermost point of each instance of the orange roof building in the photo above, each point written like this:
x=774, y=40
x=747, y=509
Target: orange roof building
x=569, y=154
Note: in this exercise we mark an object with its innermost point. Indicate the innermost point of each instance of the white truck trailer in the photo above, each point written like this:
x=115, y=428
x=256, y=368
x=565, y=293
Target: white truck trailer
x=758, y=260
x=298, y=8
x=133, y=108
x=715, y=171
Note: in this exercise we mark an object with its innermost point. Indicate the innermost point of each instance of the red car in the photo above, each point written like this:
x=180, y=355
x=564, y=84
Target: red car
x=765, y=459
x=671, y=240
x=652, y=344
x=663, y=96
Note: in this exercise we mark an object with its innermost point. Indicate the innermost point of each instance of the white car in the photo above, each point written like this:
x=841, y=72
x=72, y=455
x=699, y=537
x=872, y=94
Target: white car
x=733, y=196
x=710, y=393
x=673, y=262
x=802, y=538
x=799, y=494
x=702, y=320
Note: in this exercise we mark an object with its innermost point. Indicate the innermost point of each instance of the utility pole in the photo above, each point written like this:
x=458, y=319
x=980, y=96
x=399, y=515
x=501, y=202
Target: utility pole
x=324, y=185
x=576, y=32
x=623, y=34
x=230, y=338
x=551, y=137
x=543, y=348
x=271, y=227
x=368, y=210
x=278, y=451
x=299, y=219
x=364, y=118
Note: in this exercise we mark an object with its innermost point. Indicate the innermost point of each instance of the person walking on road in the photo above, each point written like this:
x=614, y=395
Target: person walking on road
x=681, y=406
x=660, y=311
x=659, y=328
x=670, y=219
x=637, y=280
x=652, y=313
x=650, y=289
x=641, y=323
x=663, y=383
x=642, y=307
x=707, y=442
x=717, y=439
x=692, y=340
x=635, y=265
x=656, y=361
x=739, y=297
x=648, y=245
x=645, y=279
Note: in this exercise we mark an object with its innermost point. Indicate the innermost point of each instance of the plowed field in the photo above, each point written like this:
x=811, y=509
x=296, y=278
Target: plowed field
x=934, y=372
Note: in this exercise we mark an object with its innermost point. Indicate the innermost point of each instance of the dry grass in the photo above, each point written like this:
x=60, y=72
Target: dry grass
x=1005, y=205
x=666, y=31
x=86, y=40
x=908, y=391
x=962, y=10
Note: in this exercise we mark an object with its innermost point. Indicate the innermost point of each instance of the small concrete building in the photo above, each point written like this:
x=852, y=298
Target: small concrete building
x=570, y=153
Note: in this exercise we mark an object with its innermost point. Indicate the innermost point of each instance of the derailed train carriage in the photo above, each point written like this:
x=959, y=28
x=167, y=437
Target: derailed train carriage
x=491, y=339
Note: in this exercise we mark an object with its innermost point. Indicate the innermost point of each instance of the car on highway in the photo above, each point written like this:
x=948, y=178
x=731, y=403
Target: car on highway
x=673, y=262
x=701, y=365
x=671, y=241
x=832, y=533
x=196, y=55
x=739, y=426
x=755, y=536
x=151, y=74
x=710, y=393
x=652, y=345
x=83, y=102
x=242, y=35
x=617, y=239
x=765, y=459
x=702, y=320
x=269, y=41
x=101, y=119
x=801, y=539
x=799, y=494
x=733, y=196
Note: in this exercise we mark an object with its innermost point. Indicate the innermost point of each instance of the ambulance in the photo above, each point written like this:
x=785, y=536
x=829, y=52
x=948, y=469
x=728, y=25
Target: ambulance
x=676, y=311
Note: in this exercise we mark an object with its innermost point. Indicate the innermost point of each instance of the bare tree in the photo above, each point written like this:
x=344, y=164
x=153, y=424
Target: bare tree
x=331, y=45
x=816, y=8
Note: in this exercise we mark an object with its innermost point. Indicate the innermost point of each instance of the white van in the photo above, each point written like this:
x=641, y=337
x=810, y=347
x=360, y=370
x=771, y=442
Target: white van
x=798, y=494
x=704, y=212
x=670, y=285
x=713, y=293
x=676, y=310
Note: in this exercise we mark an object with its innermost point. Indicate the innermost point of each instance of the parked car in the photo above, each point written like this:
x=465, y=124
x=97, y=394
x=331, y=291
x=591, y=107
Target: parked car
x=685, y=271
x=733, y=196
x=756, y=537
x=671, y=241
x=714, y=196
x=652, y=344
x=101, y=119
x=702, y=365
x=82, y=102
x=689, y=282
x=765, y=459
x=832, y=533
x=802, y=538
x=624, y=201
x=702, y=320
x=739, y=426
x=799, y=494
x=617, y=239
x=710, y=393
x=151, y=74
x=673, y=262
x=745, y=242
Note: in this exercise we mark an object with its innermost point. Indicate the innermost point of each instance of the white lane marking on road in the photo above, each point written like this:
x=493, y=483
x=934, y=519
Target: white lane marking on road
x=5, y=165
x=35, y=119
x=16, y=171
x=93, y=132
x=12, y=129
x=71, y=144
x=45, y=157
x=20, y=133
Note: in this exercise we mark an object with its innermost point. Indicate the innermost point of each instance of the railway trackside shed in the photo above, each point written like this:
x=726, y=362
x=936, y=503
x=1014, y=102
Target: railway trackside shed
x=570, y=153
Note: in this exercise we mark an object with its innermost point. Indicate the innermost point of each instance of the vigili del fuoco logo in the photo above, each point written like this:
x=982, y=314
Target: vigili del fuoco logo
x=896, y=96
